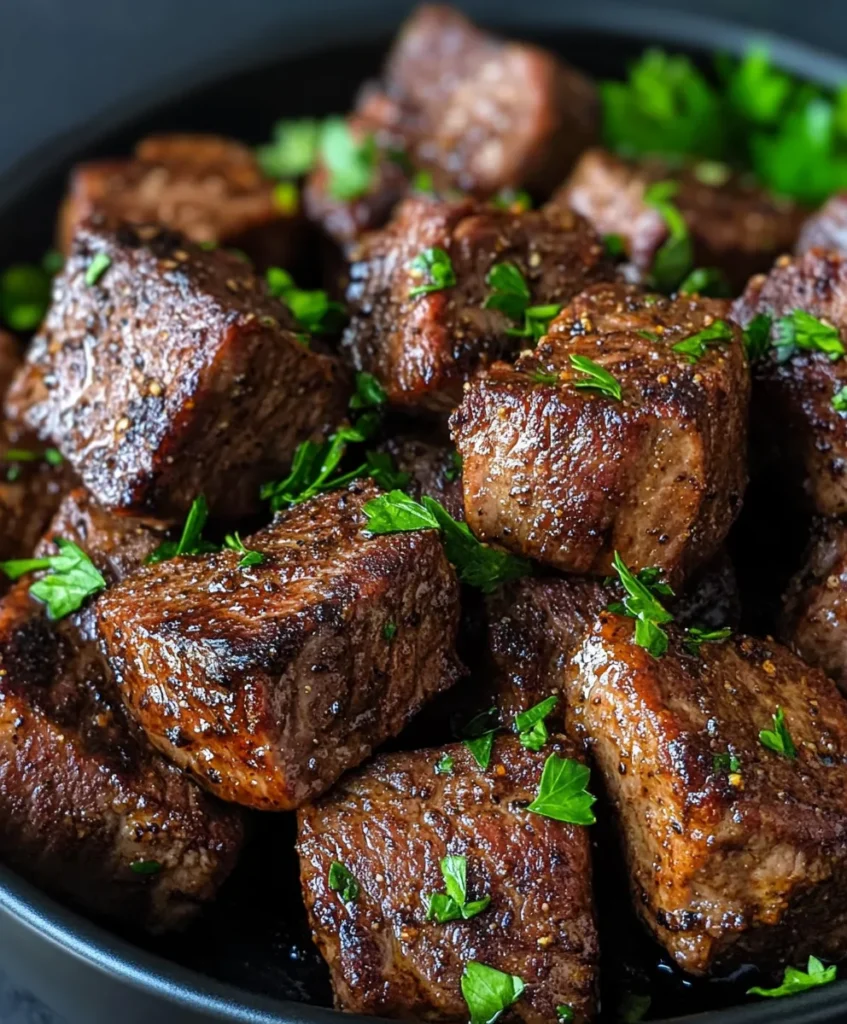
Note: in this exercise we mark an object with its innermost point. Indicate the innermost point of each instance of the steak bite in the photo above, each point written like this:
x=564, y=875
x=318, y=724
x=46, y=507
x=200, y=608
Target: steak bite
x=209, y=188
x=163, y=370
x=269, y=682
x=390, y=824
x=422, y=347
x=826, y=228
x=736, y=853
x=88, y=810
x=733, y=223
x=794, y=425
x=557, y=470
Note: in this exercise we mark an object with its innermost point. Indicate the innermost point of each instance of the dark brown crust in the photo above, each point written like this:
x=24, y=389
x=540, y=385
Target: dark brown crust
x=268, y=683
x=173, y=374
x=568, y=476
x=390, y=824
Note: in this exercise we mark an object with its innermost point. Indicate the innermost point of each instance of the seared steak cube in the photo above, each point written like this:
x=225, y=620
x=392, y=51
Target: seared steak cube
x=422, y=347
x=88, y=810
x=268, y=682
x=389, y=825
x=559, y=471
x=737, y=852
x=209, y=188
x=734, y=225
x=826, y=228
x=794, y=424
x=815, y=617
x=163, y=370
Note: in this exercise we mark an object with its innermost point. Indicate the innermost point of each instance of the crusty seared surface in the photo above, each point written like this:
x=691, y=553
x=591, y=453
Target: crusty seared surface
x=815, y=615
x=725, y=869
x=568, y=476
x=793, y=424
x=422, y=349
x=83, y=795
x=207, y=187
x=826, y=228
x=734, y=225
x=268, y=683
x=390, y=823
x=173, y=374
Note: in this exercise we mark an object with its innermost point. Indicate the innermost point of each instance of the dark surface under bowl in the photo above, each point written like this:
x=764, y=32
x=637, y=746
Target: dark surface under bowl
x=249, y=957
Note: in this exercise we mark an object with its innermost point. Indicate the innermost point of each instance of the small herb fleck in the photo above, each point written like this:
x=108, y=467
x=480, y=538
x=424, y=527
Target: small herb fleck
x=342, y=881
x=596, y=378
x=434, y=264
x=234, y=542
x=779, y=739
x=389, y=631
x=97, y=268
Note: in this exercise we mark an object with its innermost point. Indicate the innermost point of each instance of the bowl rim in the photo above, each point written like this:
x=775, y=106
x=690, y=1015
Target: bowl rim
x=70, y=931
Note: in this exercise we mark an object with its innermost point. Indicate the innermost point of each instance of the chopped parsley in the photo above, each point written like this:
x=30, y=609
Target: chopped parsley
x=454, y=905
x=369, y=393
x=234, y=542
x=479, y=736
x=532, y=732
x=350, y=162
x=562, y=794
x=315, y=469
x=543, y=377
x=423, y=182
x=434, y=266
x=444, y=765
x=779, y=739
x=757, y=336
x=389, y=631
x=564, y=1013
x=510, y=295
x=313, y=309
x=146, y=867
x=695, y=637
x=642, y=605
x=802, y=331
x=286, y=197
x=727, y=763
x=513, y=200
x=191, y=542
x=293, y=148
x=614, y=245
x=381, y=468
x=454, y=470
x=476, y=563
x=25, y=292
x=488, y=992
x=675, y=255
x=709, y=281
x=342, y=881
x=839, y=400
x=595, y=377
x=72, y=578
x=97, y=268
x=795, y=980
x=15, y=457
x=695, y=345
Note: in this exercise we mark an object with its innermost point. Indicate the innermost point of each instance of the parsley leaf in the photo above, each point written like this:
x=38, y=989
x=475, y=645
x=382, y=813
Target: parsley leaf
x=800, y=330
x=795, y=980
x=695, y=638
x=477, y=564
x=488, y=992
x=454, y=905
x=675, y=255
x=14, y=457
x=564, y=1013
x=72, y=577
x=779, y=739
x=369, y=393
x=389, y=631
x=286, y=197
x=25, y=292
x=145, y=867
x=293, y=148
x=532, y=732
x=444, y=765
x=381, y=468
x=598, y=379
x=757, y=336
x=342, y=881
x=351, y=162
x=614, y=245
x=542, y=377
x=706, y=281
x=313, y=310
x=695, y=345
x=97, y=268
x=234, y=542
x=510, y=295
x=434, y=264
x=314, y=470
x=727, y=762
x=756, y=90
x=642, y=605
x=562, y=794
x=423, y=182
x=191, y=542
x=479, y=736
x=839, y=400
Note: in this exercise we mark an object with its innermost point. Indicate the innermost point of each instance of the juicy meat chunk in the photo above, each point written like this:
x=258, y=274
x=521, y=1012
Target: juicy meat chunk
x=167, y=371
x=568, y=475
x=422, y=347
x=815, y=615
x=826, y=228
x=269, y=682
x=209, y=188
x=390, y=824
x=729, y=863
x=794, y=426
x=434, y=469
x=734, y=224
x=9, y=360
x=88, y=810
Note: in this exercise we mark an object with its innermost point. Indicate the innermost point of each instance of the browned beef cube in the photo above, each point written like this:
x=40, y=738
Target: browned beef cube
x=209, y=188
x=815, y=617
x=88, y=809
x=163, y=370
x=567, y=474
x=268, y=682
x=9, y=360
x=734, y=224
x=736, y=853
x=794, y=425
x=390, y=824
x=433, y=468
x=826, y=228
x=422, y=347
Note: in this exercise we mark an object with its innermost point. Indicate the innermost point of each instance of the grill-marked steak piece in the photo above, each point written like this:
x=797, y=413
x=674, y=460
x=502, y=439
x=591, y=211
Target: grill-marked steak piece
x=269, y=682
x=730, y=862
x=209, y=188
x=163, y=370
x=389, y=824
x=423, y=347
x=88, y=809
x=568, y=475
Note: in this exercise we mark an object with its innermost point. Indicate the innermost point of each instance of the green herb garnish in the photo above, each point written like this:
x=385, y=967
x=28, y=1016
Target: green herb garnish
x=564, y=1014
x=542, y=377
x=795, y=980
x=191, y=542
x=727, y=763
x=513, y=200
x=369, y=393
x=757, y=336
x=562, y=794
x=313, y=310
x=234, y=542
x=694, y=347
x=530, y=726
x=839, y=400
x=479, y=736
x=709, y=281
x=488, y=992
x=779, y=739
x=342, y=881
x=675, y=255
x=315, y=469
x=14, y=457
x=642, y=605
x=453, y=905
x=72, y=577
x=695, y=638
x=293, y=148
x=97, y=268
x=444, y=765
x=145, y=867
x=510, y=295
x=454, y=470
x=25, y=292
x=801, y=330
x=596, y=378
x=380, y=468
x=435, y=265
x=614, y=245
x=389, y=631
x=350, y=162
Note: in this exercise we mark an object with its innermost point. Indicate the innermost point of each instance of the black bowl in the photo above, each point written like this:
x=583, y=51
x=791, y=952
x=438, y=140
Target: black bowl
x=249, y=959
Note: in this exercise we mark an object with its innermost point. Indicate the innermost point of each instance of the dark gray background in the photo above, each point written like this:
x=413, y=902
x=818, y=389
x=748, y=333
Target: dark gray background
x=60, y=57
